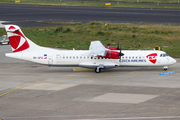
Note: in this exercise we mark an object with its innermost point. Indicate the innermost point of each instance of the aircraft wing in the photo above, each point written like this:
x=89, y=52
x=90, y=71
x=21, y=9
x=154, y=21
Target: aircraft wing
x=94, y=65
x=97, y=49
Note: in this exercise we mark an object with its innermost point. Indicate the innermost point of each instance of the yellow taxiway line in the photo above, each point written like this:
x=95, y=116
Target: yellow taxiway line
x=50, y=82
x=81, y=69
x=79, y=78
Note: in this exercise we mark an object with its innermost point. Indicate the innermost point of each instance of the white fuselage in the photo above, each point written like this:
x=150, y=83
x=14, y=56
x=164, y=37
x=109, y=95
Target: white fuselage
x=82, y=58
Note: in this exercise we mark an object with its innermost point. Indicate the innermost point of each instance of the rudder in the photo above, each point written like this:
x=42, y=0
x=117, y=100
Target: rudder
x=17, y=39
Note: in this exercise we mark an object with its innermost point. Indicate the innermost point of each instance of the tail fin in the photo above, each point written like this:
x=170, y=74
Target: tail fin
x=19, y=42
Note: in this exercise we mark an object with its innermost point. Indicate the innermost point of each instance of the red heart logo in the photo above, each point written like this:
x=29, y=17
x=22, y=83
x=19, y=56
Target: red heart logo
x=152, y=57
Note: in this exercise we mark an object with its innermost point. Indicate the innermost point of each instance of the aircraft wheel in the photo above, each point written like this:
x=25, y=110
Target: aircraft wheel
x=165, y=69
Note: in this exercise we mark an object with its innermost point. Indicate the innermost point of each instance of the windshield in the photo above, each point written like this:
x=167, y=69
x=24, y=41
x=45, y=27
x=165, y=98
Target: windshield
x=164, y=55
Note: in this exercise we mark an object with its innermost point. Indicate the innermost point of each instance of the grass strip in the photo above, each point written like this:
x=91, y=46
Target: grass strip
x=63, y=3
x=130, y=36
x=142, y=1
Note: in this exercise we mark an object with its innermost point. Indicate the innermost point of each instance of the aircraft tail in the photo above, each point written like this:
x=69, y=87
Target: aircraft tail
x=19, y=42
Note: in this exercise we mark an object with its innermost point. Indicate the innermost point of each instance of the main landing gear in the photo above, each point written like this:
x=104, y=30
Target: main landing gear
x=99, y=69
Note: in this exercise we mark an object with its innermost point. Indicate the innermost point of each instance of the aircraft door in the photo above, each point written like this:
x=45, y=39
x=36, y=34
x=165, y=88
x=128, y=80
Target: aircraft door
x=159, y=60
x=58, y=58
x=50, y=60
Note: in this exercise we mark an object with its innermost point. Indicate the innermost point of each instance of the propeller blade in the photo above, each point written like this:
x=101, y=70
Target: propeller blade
x=118, y=46
x=120, y=53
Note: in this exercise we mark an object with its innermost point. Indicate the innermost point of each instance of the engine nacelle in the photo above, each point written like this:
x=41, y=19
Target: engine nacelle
x=112, y=55
x=111, y=47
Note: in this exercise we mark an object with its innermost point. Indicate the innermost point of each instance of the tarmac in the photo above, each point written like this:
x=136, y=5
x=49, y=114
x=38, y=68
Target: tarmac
x=35, y=15
x=30, y=91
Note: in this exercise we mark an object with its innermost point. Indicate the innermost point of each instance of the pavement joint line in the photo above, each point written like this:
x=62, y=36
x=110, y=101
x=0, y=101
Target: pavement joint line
x=53, y=81
x=74, y=78
x=93, y=70
x=125, y=118
x=49, y=82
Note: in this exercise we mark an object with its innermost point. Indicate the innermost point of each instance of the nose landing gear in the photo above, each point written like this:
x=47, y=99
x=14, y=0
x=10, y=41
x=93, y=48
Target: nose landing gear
x=165, y=68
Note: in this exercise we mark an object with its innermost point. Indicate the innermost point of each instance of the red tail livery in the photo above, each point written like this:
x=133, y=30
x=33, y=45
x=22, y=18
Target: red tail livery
x=17, y=39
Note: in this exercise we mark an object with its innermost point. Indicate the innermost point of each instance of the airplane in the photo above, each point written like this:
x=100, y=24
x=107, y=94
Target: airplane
x=98, y=56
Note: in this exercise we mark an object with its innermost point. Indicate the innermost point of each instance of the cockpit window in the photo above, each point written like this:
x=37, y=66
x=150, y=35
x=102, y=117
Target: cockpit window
x=164, y=55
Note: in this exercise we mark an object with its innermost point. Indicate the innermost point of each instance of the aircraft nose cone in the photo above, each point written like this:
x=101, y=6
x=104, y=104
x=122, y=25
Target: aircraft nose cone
x=174, y=61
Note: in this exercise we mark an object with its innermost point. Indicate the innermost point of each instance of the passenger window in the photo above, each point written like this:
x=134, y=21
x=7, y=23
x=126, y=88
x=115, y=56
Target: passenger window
x=80, y=57
x=77, y=57
x=66, y=57
x=73, y=57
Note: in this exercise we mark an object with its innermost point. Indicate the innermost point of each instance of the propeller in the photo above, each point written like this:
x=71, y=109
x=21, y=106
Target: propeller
x=120, y=53
x=118, y=46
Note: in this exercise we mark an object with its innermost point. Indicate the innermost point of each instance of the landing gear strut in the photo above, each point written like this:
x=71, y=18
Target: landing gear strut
x=99, y=68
